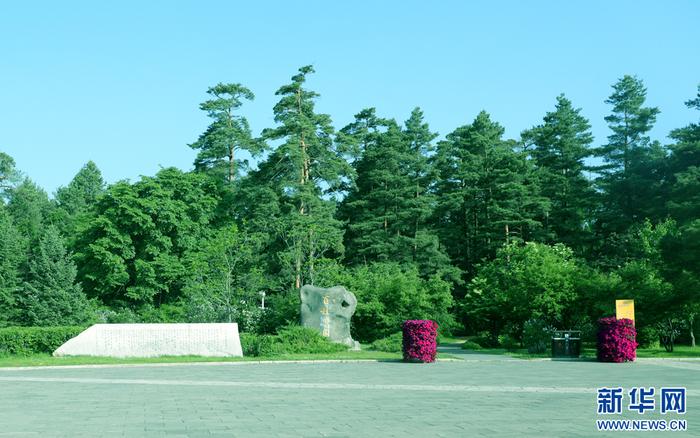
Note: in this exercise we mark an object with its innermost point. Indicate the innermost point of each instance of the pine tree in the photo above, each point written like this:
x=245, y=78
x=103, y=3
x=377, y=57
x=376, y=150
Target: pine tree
x=389, y=208
x=487, y=192
x=12, y=256
x=301, y=170
x=418, y=139
x=78, y=198
x=83, y=190
x=8, y=174
x=30, y=209
x=684, y=170
x=630, y=176
x=228, y=132
x=52, y=296
x=682, y=251
x=355, y=138
x=561, y=146
x=376, y=207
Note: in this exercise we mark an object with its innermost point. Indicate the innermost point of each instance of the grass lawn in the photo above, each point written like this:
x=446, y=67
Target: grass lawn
x=679, y=352
x=48, y=360
x=38, y=360
x=451, y=340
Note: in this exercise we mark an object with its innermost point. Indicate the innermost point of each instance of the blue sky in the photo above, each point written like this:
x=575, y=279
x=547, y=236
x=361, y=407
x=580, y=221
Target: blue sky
x=120, y=84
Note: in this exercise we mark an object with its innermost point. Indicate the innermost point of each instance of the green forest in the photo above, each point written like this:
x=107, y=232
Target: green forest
x=489, y=236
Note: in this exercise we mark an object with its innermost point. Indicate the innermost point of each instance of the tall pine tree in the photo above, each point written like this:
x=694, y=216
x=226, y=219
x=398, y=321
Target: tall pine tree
x=8, y=174
x=376, y=208
x=682, y=250
x=389, y=207
x=301, y=170
x=229, y=132
x=630, y=176
x=560, y=146
x=13, y=256
x=488, y=193
x=52, y=296
x=684, y=169
x=30, y=209
x=78, y=198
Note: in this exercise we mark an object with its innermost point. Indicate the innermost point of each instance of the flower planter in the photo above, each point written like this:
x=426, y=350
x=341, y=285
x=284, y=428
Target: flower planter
x=419, y=340
x=616, y=340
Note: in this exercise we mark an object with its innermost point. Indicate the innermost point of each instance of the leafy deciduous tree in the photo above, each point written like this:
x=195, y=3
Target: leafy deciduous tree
x=227, y=278
x=132, y=253
x=523, y=281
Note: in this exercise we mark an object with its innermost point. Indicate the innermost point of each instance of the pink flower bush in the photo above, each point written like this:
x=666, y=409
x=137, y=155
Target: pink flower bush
x=616, y=340
x=419, y=340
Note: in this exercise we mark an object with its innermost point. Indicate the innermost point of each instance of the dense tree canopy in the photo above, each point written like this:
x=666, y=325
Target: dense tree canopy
x=488, y=193
x=500, y=234
x=133, y=250
x=389, y=207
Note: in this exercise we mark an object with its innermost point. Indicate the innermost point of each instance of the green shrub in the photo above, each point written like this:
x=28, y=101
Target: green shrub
x=282, y=310
x=389, y=294
x=537, y=335
x=589, y=331
x=648, y=337
x=508, y=342
x=289, y=340
x=392, y=343
x=471, y=345
x=296, y=339
x=31, y=340
x=253, y=344
x=484, y=340
x=165, y=314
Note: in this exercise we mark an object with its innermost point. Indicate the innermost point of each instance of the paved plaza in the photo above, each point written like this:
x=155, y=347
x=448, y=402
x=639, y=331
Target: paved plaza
x=479, y=396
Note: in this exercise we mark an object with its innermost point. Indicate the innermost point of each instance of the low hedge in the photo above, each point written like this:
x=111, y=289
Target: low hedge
x=390, y=344
x=289, y=340
x=485, y=340
x=24, y=341
x=470, y=345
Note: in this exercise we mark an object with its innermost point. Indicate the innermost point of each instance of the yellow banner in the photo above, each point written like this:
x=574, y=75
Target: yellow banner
x=624, y=309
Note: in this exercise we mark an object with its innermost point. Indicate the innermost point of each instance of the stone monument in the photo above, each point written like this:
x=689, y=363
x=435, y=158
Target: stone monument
x=153, y=340
x=329, y=311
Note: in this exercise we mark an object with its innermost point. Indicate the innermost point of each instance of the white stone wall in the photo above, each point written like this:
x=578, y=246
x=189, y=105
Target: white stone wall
x=153, y=340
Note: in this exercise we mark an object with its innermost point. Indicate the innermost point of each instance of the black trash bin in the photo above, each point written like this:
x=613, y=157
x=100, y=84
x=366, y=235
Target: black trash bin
x=566, y=343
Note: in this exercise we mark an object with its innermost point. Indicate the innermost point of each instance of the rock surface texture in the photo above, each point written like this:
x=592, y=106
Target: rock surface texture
x=329, y=310
x=153, y=340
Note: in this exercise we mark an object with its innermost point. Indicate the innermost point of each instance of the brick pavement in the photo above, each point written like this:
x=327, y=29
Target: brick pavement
x=385, y=399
